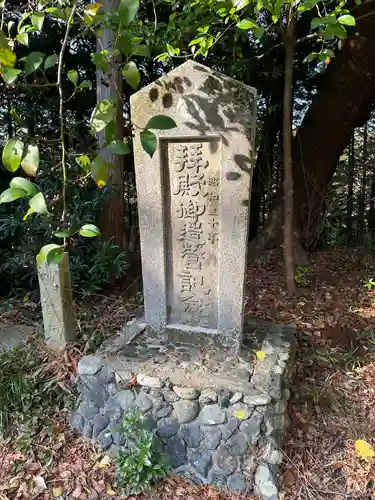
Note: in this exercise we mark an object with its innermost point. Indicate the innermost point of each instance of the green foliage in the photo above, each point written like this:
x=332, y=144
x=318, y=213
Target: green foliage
x=303, y=276
x=138, y=463
x=369, y=284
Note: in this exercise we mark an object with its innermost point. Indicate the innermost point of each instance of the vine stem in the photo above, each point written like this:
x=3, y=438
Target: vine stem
x=61, y=107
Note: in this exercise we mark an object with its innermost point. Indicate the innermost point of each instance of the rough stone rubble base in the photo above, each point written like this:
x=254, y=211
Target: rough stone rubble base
x=198, y=427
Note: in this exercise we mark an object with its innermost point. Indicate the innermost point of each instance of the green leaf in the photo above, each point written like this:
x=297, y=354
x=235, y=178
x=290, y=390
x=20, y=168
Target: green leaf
x=308, y=5
x=65, y=233
x=12, y=194
x=101, y=60
x=30, y=162
x=347, y=20
x=99, y=170
x=132, y=75
x=10, y=75
x=73, y=76
x=128, y=10
x=240, y=4
x=7, y=56
x=84, y=162
x=37, y=20
x=118, y=148
x=16, y=117
x=86, y=84
x=12, y=154
x=56, y=12
x=38, y=204
x=50, y=61
x=148, y=141
x=51, y=253
x=246, y=24
x=22, y=183
x=33, y=62
x=110, y=131
x=89, y=231
x=23, y=38
x=91, y=12
x=28, y=213
x=104, y=112
x=161, y=122
x=315, y=22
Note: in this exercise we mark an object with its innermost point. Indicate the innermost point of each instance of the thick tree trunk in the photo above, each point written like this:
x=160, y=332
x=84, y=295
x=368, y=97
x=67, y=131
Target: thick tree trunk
x=109, y=86
x=349, y=200
x=362, y=196
x=342, y=103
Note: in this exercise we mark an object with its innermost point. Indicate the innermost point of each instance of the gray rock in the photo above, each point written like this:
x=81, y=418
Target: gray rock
x=77, y=422
x=212, y=415
x=224, y=460
x=149, y=422
x=208, y=396
x=124, y=399
x=100, y=422
x=218, y=478
x=88, y=409
x=143, y=402
x=212, y=437
x=192, y=434
x=251, y=427
x=161, y=409
x=176, y=449
x=115, y=416
x=167, y=427
x=153, y=382
x=186, y=392
x=112, y=388
x=186, y=410
x=236, y=482
x=229, y=428
x=240, y=411
x=265, y=483
x=170, y=396
x=105, y=439
x=123, y=376
x=87, y=429
x=118, y=438
x=156, y=394
x=190, y=474
x=272, y=455
x=257, y=398
x=201, y=461
x=94, y=391
x=276, y=390
x=236, y=398
x=238, y=444
x=224, y=398
x=113, y=450
x=89, y=365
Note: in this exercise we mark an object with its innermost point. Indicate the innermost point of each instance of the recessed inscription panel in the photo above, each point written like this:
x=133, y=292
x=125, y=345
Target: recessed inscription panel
x=191, y=169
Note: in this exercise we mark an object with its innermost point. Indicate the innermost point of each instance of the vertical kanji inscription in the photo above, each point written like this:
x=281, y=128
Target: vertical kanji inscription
x=192, y=175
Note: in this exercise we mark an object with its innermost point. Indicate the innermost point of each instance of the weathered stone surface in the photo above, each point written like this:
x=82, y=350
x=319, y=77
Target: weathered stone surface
x=57, y=302
x=170, y=396
x=186, y=392
x=100, y=422
x=224, y=398
x=226, y=176
x=186, y=410
x=192, y=434
x=89, y=365
x=123, y=376
x=212, y=415
x=161, y=409
x=153, y=382
x=208, y=396
x=88, y=409
x=236, y=398
x=265, y=483
x=224, y=460
x=77, y=422
x=238, y=444
x=236, y=482
x=212, y=437
x=240, y=411
x=105, y=439
x=251, y=427
x=217, y=477
x=143, y=402
x=272, y=455
x=176, y=449
x=201, y=461
x=190, y=474
x=257, y=399
x=167, y=427
x=124, y=399
x=93, y=389
x=87, y=429
x=229, y=428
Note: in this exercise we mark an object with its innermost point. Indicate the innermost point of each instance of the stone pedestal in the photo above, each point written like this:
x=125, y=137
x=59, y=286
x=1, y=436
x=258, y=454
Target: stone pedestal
x=193, y=202
x=57, y=302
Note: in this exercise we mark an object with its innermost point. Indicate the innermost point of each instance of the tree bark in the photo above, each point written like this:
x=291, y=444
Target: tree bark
x=362, y=196
x=349, y=200
x=109, y=86
x=343, y=102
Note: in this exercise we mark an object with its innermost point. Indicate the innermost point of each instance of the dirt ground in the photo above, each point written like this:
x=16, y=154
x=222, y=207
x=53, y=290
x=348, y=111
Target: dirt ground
x=332, y=403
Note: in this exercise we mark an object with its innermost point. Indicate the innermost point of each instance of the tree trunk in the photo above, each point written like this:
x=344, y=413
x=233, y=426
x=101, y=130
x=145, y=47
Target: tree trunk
x=362, y=196
x=349, y=200
x=289, y=43
x=109, y=86
x=347, y=92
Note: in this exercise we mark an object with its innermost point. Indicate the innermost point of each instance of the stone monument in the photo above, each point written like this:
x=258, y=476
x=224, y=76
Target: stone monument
x=193, y=201
x=57, y=303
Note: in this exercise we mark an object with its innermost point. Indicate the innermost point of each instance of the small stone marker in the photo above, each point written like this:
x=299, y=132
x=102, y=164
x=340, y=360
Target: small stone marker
x=193, y=201
x=56, y=299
